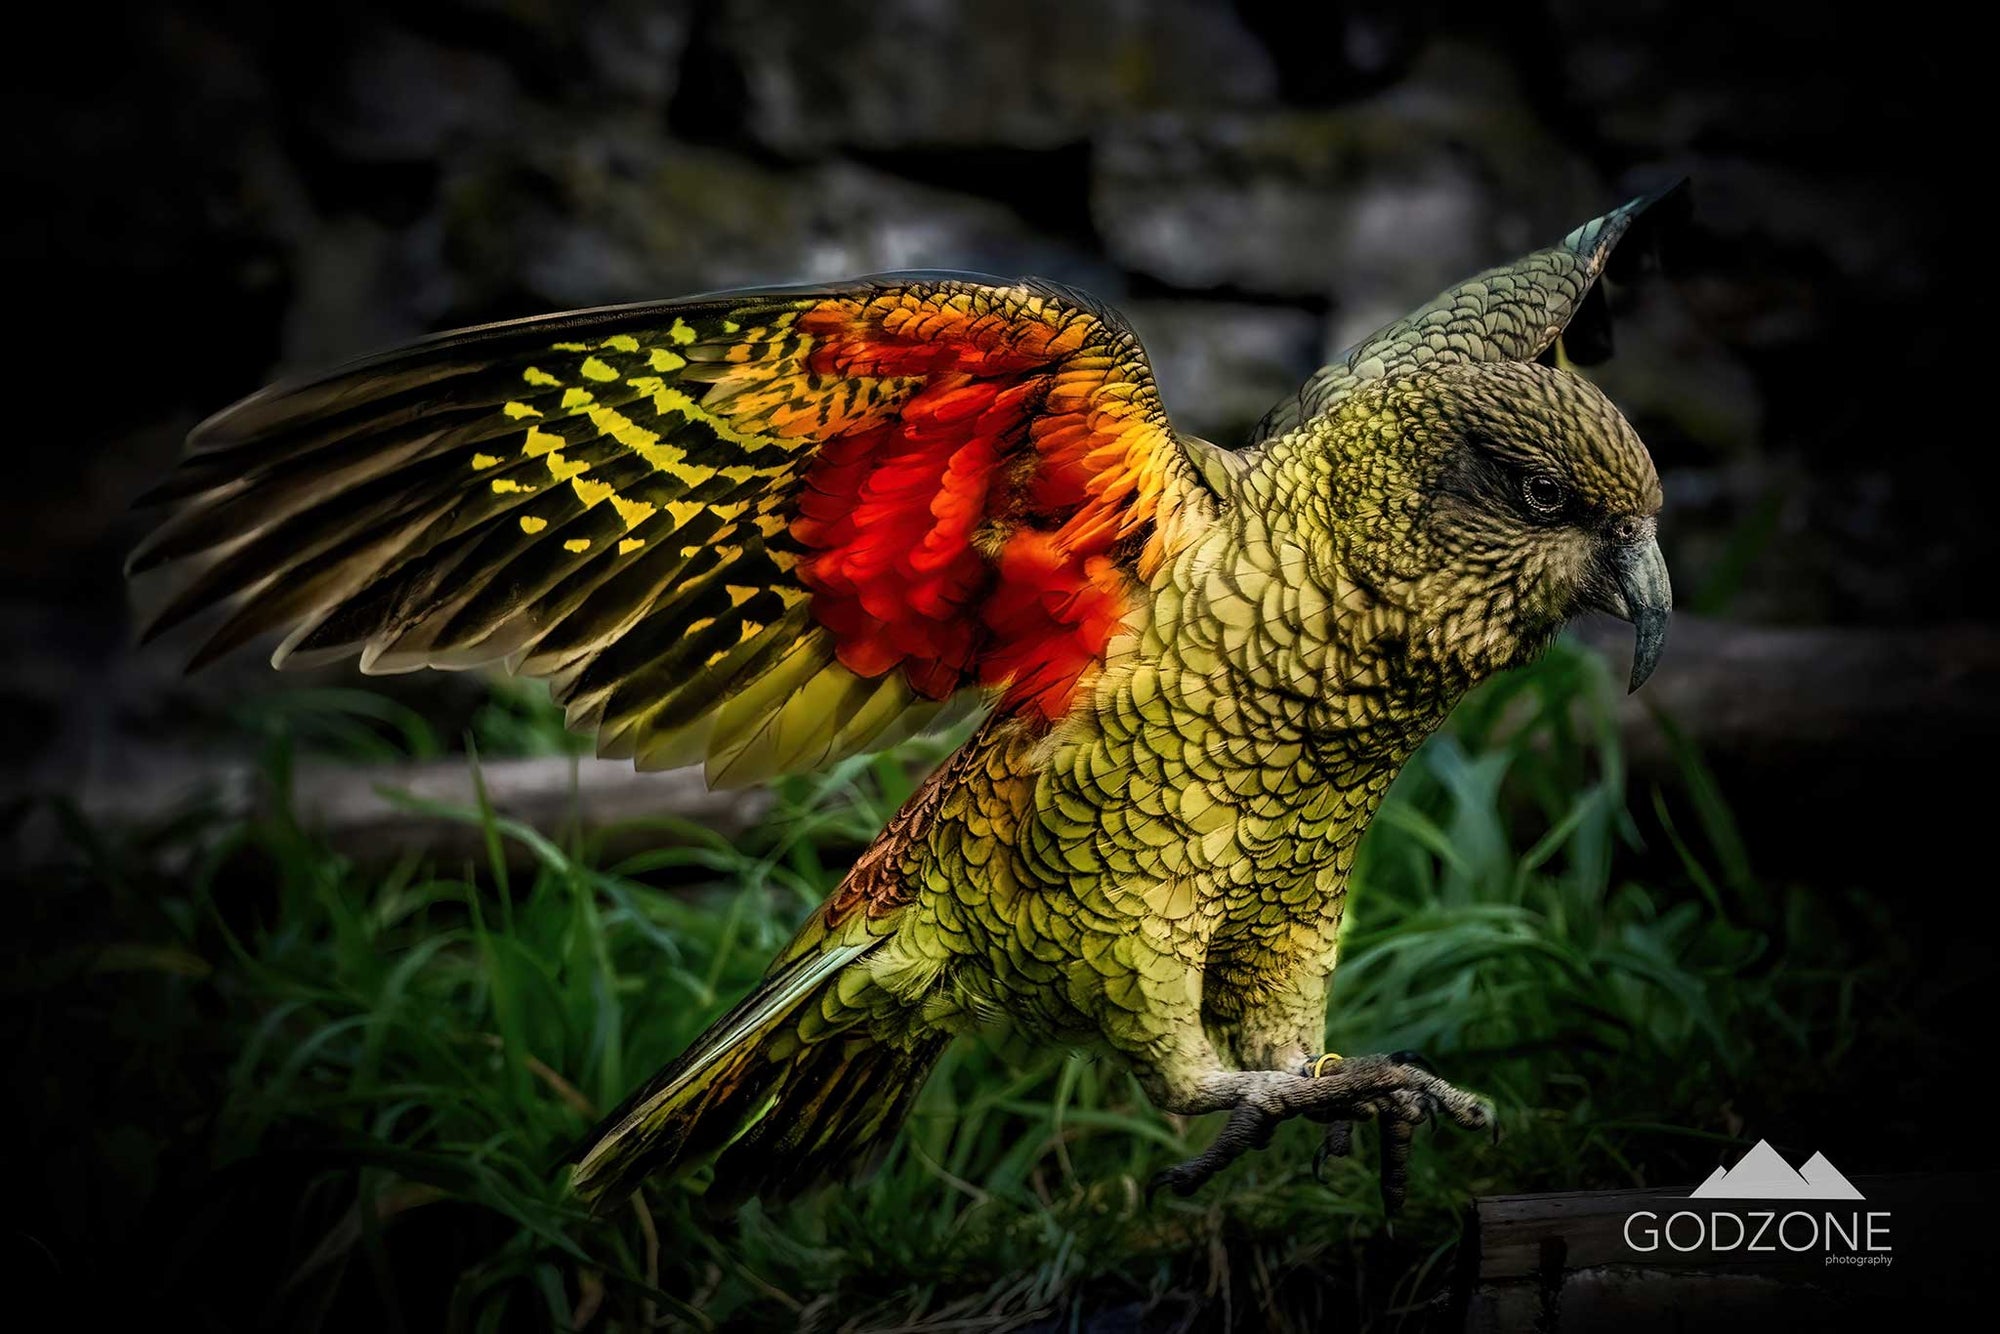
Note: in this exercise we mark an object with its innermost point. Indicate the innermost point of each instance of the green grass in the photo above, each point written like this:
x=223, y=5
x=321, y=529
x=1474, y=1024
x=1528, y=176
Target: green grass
x=517, y=717
x=269, y=1085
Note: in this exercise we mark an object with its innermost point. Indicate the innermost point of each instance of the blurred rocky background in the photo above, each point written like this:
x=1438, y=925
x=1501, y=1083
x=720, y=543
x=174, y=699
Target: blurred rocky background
x=206, y=195
x=211, y=194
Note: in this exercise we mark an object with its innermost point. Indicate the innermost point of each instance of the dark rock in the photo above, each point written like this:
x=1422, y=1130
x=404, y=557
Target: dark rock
x=1664, y=77
x=1692, y=396
x=902, y=73
x=402, y=98
x=636, y=48
x=1221, y=365
x=1373, y=204
x=358, y=286
x=599, y=214
x=274, y=197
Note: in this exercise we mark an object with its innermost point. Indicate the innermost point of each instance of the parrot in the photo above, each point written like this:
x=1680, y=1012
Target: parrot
x=765, y=530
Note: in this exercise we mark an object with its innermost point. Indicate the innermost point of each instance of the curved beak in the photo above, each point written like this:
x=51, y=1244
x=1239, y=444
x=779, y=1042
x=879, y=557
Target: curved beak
x=1641, y=593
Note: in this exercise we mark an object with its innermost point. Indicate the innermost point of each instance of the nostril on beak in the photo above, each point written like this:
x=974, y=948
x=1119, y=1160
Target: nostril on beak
x=1628, y=529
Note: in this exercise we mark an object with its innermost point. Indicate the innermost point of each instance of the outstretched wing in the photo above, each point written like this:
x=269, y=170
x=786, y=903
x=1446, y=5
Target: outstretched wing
x=771, y=527
x=1516, y=312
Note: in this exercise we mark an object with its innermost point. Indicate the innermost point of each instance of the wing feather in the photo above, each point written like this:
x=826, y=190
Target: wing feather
x=772, y=528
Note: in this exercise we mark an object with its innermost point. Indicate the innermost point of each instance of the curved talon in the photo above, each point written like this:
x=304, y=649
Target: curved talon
x=1338, y=1142
x=1248, y=1128
x=1415, y=1095
x=1413, y=1058
x=1169, y=1176
x=1317, y=1067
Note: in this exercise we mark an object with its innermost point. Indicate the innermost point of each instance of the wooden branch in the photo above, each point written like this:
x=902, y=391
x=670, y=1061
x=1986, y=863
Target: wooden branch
x=367, y=810
x=1794, y=712
x=1770, y=697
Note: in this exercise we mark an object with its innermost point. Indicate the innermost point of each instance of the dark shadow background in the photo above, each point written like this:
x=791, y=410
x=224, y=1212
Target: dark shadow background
x=206, y=196
x=212, y=195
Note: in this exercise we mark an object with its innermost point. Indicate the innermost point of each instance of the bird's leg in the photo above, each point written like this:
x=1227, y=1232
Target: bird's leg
x=1396, y=1093
x=1182, y=1072
x=1338, y=1141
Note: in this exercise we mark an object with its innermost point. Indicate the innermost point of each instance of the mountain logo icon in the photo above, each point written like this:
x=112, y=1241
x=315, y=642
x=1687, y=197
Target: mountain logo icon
x=1763, y=1174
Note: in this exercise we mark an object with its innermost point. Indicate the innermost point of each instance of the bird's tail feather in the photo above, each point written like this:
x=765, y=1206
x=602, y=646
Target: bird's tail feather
x=785, y=1098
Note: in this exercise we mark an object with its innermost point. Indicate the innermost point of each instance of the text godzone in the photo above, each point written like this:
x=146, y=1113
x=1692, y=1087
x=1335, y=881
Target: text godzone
x=1760, y=1230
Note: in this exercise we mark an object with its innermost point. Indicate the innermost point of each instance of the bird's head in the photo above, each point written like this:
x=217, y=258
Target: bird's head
x=1492, y=502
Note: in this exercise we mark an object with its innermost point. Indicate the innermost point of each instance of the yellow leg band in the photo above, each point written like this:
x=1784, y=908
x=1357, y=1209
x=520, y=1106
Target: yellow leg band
x=1320, y=1065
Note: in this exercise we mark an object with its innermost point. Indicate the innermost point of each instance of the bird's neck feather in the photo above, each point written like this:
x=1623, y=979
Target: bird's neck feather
x=1343, y=499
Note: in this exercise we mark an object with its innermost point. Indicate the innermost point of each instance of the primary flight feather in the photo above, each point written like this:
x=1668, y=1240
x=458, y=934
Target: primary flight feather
x=769, y=529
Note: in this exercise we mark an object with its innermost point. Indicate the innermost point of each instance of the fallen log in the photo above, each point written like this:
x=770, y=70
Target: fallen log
x=1796, y=721
x=379, y=811
x=1768, y=695
x=1840, y=752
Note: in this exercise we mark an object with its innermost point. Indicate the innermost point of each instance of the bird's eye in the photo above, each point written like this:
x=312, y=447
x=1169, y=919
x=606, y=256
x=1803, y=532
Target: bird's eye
x=1544, y=494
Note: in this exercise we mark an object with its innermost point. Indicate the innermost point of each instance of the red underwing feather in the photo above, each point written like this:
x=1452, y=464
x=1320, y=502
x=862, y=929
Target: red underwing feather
x=1027, y=426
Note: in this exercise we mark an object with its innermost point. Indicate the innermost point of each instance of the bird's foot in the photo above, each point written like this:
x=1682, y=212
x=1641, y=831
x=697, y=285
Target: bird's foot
x=1400, y=1092
x=1412, y=1095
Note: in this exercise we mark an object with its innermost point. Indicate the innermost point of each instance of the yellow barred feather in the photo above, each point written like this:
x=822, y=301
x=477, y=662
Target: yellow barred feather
x=603, y=499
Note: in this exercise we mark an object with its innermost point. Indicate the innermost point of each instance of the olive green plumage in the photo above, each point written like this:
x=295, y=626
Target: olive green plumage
x=1164, y=874
x=1159, y=868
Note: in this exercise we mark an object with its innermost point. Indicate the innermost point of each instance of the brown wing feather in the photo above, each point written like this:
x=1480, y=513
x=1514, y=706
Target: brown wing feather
x=740, y=525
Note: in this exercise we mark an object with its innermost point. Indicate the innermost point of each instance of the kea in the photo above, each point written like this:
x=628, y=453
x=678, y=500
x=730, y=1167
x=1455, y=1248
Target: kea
x=765, y=530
